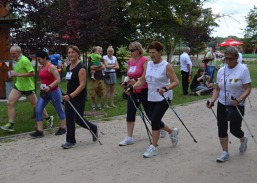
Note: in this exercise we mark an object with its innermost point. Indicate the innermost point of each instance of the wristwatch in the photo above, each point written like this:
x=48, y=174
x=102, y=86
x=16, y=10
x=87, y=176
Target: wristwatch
x=165, y=89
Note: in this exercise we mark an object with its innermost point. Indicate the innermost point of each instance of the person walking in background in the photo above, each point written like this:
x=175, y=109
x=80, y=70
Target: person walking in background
x=111, y=65
x=161, y=80
x=96, y=86
x=56, y=60
x=232, y=89
x=76, y=94
x=95, y=58
x=24, y=85
x=186, y=69
x=49, y=78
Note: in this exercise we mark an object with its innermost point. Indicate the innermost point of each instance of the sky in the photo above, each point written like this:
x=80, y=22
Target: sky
x=238, y=9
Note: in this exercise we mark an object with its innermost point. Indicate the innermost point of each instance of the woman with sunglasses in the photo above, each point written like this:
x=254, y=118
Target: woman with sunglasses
x=233, y=87
x=136, y=66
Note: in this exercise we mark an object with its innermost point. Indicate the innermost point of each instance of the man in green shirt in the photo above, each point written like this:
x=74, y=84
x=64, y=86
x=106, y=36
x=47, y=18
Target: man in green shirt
x=24, y=85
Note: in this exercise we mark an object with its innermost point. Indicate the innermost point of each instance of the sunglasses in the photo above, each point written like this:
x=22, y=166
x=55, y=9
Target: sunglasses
x=229, y=59
x=132, y=50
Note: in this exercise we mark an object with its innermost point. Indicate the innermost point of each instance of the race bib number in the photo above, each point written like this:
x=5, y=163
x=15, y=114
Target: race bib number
x=68, y=75
x=42, y=86
x=132, y=69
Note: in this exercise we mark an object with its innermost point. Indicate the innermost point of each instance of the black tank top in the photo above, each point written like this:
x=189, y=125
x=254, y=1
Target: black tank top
x=73, y=83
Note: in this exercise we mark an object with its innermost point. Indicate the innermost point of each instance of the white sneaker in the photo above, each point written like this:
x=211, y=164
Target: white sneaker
x=163, y=133
x=174, y=137
x=224, y=156
x=127, y=141
x=243, y=145
x=150, y=152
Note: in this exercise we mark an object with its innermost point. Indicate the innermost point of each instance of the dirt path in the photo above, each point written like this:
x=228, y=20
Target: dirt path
x=26, y=160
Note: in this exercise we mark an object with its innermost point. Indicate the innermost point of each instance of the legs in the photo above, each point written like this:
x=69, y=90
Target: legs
x=14, y=96
x=185, y=82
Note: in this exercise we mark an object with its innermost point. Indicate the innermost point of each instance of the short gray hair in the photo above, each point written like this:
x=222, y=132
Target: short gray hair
x=16, y=48
x=187, y=49
x=232, y=51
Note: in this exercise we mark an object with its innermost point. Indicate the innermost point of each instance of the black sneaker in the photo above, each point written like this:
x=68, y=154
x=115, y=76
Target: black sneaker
x=60, y=131
x=68, y=145
x=37, y=134
x=95, y=137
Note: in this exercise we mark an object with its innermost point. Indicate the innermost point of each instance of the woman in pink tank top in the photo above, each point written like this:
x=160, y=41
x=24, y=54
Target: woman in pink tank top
x=49, y=90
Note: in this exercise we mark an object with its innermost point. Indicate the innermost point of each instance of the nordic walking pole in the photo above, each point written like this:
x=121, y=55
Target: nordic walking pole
x=179, y=119
x=143, y=119
x=233, y=98
x=90, y=130
x=208, y=102
x=250, y=102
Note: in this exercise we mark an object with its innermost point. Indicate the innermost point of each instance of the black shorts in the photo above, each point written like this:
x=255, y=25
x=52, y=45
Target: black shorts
x=26, y=93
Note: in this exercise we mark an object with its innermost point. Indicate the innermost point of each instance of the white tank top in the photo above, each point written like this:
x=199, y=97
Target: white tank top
x=110, y=62
x=156, y=77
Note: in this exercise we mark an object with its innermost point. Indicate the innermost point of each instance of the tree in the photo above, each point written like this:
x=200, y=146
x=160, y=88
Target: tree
x=251, y=29
x=170, y=21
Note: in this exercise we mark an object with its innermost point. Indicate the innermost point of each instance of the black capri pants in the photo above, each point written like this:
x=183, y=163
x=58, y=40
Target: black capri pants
x=222, y=122
x=157, y=110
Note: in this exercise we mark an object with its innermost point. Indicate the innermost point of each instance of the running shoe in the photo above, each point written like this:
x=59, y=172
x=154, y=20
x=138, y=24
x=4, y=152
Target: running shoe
x=37, y=134
x=48, y=123
x=127, y=141
x=163, y=133
x=174, y=137
x=8, y=127
x=68, y=145
x=243, y=145
x=224, y=156
x=150, y=152
x=60, y=131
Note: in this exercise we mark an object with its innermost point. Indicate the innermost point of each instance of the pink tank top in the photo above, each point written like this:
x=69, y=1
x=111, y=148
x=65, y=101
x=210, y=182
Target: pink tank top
x=46, y=77
x=136, y=69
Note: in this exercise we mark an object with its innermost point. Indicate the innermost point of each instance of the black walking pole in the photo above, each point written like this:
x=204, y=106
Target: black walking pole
x=143, y=117
x=90, y=130
x=208, y=102
x=179, y=119
x=233, y=98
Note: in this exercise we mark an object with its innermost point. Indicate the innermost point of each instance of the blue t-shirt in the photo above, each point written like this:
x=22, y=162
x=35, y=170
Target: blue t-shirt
x=55, y=58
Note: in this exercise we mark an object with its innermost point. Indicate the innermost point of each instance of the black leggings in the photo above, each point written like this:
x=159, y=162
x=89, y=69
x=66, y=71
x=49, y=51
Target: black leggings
x=235, y=126
x=72, y=117
x=137, y=98
x=157, y=110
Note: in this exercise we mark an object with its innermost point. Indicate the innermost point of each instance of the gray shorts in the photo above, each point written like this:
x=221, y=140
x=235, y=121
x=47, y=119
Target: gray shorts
x=112, y=79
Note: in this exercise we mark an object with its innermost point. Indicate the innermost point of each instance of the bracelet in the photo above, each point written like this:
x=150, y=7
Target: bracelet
x=69, y=96
x=49, y=87
x=165, y=89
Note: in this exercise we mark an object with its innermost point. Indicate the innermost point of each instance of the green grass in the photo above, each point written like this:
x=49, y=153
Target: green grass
x=24, y=111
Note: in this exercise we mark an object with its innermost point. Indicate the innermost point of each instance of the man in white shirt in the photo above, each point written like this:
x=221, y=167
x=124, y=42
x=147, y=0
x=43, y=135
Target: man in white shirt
x=186, y=69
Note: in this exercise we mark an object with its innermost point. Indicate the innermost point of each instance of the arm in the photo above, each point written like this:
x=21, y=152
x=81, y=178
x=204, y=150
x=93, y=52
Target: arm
x=116, y=66
x=28, y=74
x=215, y=95
x=82, y=82
x=173, y=78
x=247, y=90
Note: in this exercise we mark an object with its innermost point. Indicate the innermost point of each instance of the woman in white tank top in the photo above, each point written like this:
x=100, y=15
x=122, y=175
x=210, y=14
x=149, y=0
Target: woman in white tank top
x=158, y=75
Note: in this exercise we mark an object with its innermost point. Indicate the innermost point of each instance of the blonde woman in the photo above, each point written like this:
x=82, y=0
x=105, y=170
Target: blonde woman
x=111, y=65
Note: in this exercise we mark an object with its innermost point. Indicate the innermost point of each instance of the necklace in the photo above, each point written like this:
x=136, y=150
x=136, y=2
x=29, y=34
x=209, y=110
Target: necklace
x=72, y=66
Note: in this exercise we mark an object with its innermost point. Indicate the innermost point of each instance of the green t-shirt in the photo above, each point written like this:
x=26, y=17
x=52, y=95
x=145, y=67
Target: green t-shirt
x=95, y=58
x=23, y=65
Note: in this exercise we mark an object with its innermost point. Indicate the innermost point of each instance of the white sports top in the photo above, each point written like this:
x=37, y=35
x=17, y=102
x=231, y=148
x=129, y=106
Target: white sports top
x=156, y=77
